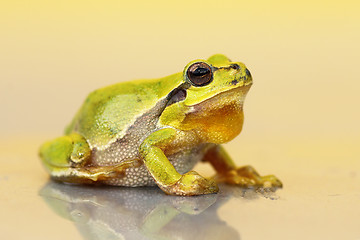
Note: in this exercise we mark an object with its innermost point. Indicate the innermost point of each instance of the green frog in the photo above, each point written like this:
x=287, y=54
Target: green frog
x=153, y=132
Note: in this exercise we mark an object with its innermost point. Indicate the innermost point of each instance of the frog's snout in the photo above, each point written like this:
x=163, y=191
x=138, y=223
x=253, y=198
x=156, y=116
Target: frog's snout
x=248, y=74
x=243, y=76
x=248, y=77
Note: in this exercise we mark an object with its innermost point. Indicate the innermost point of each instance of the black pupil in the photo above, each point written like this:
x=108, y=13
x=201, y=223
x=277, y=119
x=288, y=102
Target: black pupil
x=200, y=72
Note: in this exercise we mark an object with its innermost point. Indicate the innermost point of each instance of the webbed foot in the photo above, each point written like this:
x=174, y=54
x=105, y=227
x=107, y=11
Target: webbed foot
x=191, y=184
x=248, y=177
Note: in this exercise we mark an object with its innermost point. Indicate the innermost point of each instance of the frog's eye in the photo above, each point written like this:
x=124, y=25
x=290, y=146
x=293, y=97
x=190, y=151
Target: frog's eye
x=199, y=74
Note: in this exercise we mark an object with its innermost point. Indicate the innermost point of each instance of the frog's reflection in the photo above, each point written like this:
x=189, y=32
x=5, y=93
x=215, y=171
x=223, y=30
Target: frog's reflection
x=140, y=213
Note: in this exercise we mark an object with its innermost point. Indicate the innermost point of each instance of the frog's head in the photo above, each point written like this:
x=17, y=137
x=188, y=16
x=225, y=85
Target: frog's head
x=210, y=99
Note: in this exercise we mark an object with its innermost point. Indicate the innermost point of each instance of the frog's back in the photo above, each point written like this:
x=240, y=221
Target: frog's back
x=108, y=114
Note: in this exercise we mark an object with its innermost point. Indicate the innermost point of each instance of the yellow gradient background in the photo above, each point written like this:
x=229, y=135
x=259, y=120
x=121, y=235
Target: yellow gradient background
x=303, y=56
x=302, y=114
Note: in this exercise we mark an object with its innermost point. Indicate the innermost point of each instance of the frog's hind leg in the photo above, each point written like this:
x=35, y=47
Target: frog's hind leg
x=245, y=176
x=67, y=159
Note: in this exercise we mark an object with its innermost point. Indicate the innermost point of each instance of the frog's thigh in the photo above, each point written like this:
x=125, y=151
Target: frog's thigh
x=227, y=171
x=65, y=151
x=64, y=157
x=164, y=173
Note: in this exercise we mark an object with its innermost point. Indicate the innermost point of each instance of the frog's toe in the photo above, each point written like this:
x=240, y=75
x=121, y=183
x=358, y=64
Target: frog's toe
x=191, y=184
x=271, y=181
x=247, y=177
x=234, y=178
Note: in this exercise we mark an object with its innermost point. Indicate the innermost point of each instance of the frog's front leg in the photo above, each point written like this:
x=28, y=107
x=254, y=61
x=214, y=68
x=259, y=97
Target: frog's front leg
x=245, y=176
x=66, y=159
x=164, y=173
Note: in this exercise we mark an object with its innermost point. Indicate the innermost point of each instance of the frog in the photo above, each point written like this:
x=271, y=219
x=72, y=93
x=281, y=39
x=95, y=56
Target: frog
x=152, y=132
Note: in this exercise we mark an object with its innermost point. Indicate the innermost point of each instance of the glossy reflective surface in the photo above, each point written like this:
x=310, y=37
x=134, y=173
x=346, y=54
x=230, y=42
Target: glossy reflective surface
x=141, y=213
x=320, y=200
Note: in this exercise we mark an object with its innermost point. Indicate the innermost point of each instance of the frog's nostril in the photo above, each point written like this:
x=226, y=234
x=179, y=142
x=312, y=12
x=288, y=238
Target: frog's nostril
x=248, y=73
